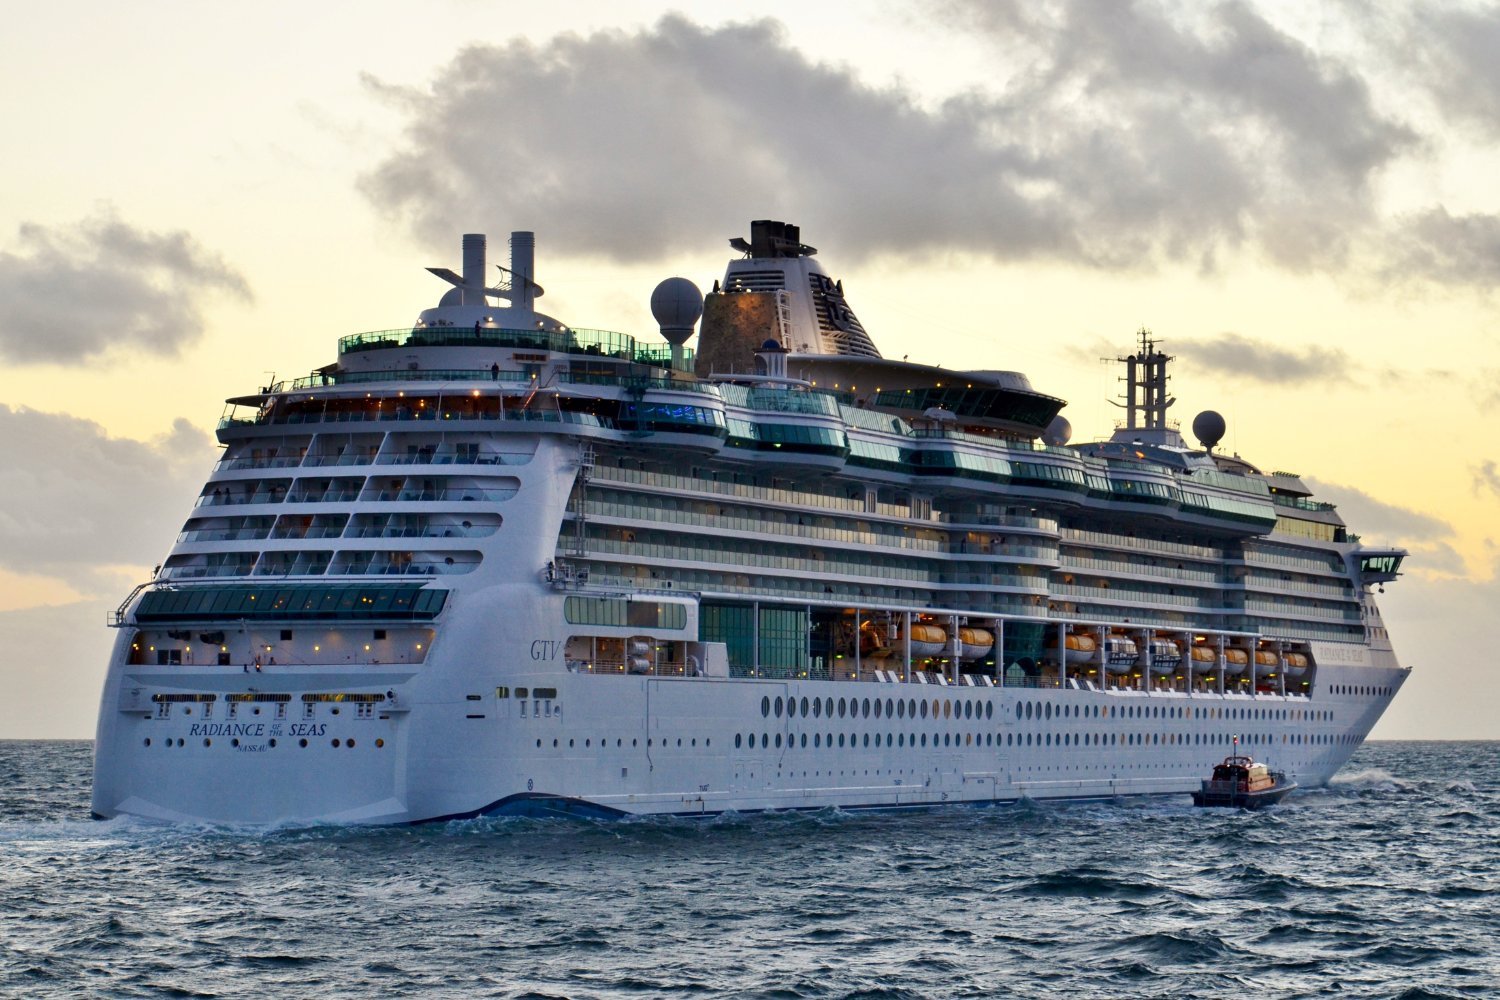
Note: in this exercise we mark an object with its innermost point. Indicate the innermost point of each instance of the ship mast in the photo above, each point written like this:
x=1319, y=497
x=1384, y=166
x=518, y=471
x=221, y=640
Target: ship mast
x=1146, y=378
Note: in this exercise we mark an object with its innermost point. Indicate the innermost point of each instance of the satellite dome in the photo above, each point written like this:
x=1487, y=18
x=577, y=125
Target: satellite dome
x=1059, y=432
x=676, y=303
x=1208, y=428
x=771, y=344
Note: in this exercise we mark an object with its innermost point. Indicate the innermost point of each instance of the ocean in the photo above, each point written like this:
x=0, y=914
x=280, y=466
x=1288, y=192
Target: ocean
x=1385, y=884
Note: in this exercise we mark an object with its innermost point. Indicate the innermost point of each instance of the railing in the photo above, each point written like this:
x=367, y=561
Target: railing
x=591, y=343
x=378, y=415
x=418, y=496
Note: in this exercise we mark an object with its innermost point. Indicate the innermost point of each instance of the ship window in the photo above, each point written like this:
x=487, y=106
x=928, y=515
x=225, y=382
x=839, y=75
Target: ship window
x=778, y=707
x=817, y=707
x=828, y=707
x=841, y=708
x=765, y=707
x=924, y=709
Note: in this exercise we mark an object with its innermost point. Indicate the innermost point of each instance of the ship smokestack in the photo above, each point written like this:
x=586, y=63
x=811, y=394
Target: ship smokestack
x=474, y=264
x=522, y=261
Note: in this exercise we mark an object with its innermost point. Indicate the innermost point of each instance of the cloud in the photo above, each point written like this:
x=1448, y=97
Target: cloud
x=77, y=501
x=72, y=294
x=1454, y=50
x=636, y=144
x=1486, y=477
x=1429, y=538
x=1447, y=249
x=1258, y=360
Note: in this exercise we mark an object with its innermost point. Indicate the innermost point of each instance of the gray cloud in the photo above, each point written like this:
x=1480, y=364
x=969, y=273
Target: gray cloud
x=73, y=294
x=1429, y=539
x=1454, y=50
x=1247, y=358
x=1229, y=134
x=1366, y=515
x=1486, y=477
x=1449, y=249
x=77, y=499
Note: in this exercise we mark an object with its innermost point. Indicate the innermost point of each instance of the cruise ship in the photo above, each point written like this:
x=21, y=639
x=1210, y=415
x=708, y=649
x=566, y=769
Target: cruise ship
x=492, y=564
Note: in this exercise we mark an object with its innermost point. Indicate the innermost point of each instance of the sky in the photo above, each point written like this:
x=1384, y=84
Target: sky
x=1297, y=199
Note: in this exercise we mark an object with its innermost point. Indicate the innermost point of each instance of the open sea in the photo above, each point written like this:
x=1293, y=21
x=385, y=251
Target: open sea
x=1385, y=884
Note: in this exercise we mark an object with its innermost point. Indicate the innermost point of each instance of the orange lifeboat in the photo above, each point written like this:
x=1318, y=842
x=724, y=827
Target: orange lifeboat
x=926, y=641
x=1204, y=659
x=975, y=643
x=1079, y=647
x=1235, y=661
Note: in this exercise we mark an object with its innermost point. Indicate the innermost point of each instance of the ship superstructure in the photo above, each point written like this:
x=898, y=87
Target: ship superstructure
x=492, y=563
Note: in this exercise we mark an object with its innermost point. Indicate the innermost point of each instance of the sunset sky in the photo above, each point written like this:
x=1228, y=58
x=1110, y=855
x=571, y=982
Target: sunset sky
x=1298, y=199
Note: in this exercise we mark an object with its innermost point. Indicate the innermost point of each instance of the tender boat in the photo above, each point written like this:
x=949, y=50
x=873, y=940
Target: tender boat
x=1241, y=783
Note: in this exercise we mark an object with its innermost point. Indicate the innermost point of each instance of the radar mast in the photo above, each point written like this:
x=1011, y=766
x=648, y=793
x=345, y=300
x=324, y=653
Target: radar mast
x=1146, y=378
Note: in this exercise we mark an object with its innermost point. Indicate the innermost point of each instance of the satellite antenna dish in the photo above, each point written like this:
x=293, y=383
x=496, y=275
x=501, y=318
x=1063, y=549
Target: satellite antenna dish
x=1208, y=428
x=1058, y=433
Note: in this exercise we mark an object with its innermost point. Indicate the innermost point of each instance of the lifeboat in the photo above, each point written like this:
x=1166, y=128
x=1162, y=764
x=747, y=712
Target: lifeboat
x=926, y=641
x=1079, y=647
x=975, y=643
x=1165, y=657
x=1204, y=659
x=1266, y=662
x=1296, y=664
x=1235, y=661
x=1120, y=653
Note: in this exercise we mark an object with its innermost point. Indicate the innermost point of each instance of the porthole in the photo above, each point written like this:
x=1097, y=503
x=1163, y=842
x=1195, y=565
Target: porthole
x=302, y=743
x=817, y=740
x=924, y=739
x=736, y=741
x=841, y=739
x=234, y=742
x=911, y=707
x=817, y=707
x=350, y=744
x=336, y=742
x=765, y=741
x=778, y=706
x=180, y=741
x=778, y=741
x=924, y=708
x=865, y=708
x=989, y=710
x=947, y=709
x=888, y=708
x=878, y=712
x=804, y=708
x=378, y=743
x=828, y=707
x=841, y=708
x=804, y=741
x=765, y=706
x=207, y=742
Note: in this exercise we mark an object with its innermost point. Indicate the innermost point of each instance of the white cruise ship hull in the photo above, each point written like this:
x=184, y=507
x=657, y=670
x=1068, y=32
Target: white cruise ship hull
x=450, y=747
